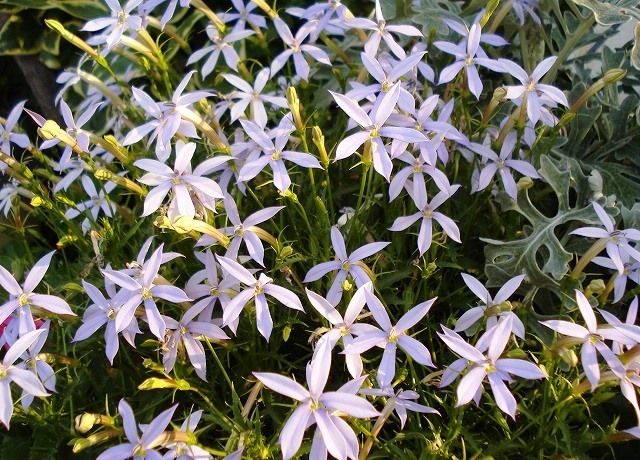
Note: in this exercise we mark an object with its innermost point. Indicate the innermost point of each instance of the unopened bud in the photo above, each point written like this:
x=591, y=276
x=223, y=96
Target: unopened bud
x=595, y=287
x=289, y=194
x=66, y=240
x=80, y=444
x=500, y=93
x=347, y=286
x=51, y=130
x=318, y=140
x=84, y=422
x=285, y=251
x=38, y=201
x=64, y=200
x=294, y=106
x=367, y=155
x=525, y=183
x=105, y=174
x=614, y=75
x=568, y=356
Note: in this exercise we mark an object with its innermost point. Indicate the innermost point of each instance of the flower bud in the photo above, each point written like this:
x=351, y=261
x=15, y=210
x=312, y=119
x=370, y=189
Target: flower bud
x=80, y=444
x=525, y=183
x=38, y=201
x=318, y=140
x=84, y=422
x=294, y=106
x=66, y=240
x=595, y=288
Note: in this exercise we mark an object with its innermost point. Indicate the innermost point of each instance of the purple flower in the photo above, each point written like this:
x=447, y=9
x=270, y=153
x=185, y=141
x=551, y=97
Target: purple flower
x=503, y=165
x=252, y=97
x=184, y=184
x=522, y=7
x=256, y=290
x=139, y=447
x=22, y=298
x=143, y=290
x=206, y=286
x=185, y=333
x=592, y=338
x=386, y=80
x=391, y=337
x=411, y=177
x=466, y=58
x=380, y=30
x=222, y=44
x=242, y=15
x=169, y=118
x=104, y=311
x=32, y=361
x=274, y=154
x=346, y=264
x=473, y=315
x=245, y=232
x=97, y=202
x=169, y=11
x=631, y=271
x=319, y=407
x=182, y=450
x=530, y=90
x=427, y=212
x=491, y=366
x=617, y=240
x=401, y=401
x=296, y=49
x=489, y=39
x=25, y=379
x=342, y=327
x=8, y=137
x=117, y=24
x=630, y=321
x=373, y=129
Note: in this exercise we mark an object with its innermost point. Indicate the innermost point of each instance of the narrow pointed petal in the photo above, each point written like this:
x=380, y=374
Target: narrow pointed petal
x=587, y=311
x=508, y=289
x=349, y=403
x=37, y=272
x=413, y=316
x=293, y=431
x=521, y=368
x=283, y=385
x=469, y=385
x=418, y=352
x=503, y=397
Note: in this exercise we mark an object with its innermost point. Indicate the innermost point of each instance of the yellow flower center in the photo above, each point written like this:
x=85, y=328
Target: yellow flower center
x=23, y=299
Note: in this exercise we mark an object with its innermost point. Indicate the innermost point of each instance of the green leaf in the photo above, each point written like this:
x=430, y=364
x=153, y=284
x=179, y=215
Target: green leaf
x=83, y=9
x=635, y=51
x=20, y=35
x=540, y=254
x=606, y=13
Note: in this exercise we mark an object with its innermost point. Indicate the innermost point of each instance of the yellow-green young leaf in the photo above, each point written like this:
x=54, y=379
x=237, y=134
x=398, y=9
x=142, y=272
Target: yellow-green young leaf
x=155, y=383
x=286, y=332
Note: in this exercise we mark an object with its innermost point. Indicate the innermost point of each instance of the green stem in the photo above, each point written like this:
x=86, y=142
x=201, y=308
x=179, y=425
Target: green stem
x=568, y=47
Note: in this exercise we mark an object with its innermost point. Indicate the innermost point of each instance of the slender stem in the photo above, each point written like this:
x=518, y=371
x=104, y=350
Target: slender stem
x=568, y=47
x=595, y=249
